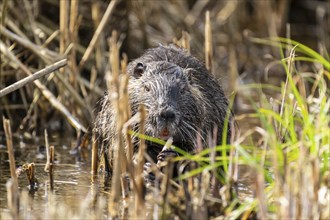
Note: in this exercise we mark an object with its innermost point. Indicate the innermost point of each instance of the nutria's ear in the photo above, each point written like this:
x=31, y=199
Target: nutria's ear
x=139, y=69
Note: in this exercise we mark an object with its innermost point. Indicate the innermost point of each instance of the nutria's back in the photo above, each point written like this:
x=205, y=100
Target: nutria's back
x=183, y=100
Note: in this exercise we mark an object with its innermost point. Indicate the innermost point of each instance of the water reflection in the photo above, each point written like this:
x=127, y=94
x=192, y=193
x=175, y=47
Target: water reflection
x=72, y=176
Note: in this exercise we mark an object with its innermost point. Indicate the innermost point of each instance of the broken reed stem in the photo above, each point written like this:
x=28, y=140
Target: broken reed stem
x=51, y=168
x=9, y=141
x=97, y=33
x=113, y=83
x=30, y=174
x=208, y=43
x=186, y=40
x=47, y=152
x=94, y=154
x=233, y=68
x=12, y=185
x=30, y=78
x=139, y=191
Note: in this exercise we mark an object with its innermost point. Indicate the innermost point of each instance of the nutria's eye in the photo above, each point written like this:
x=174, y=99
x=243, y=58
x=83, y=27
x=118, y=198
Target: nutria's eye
x=139, y=69
x=146, y=88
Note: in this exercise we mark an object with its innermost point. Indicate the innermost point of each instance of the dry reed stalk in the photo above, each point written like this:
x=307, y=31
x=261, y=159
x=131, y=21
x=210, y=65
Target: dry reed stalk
x=4, y=12
x=31, y=20
x=201, y=207
x=99, y=48
x=285, y=90
x=12, y=185
x=228, y=10
x=13, y=26
x=97, y=33
x=260, y=191
x=51, y=168
x=94, y=155
x=281, y=14
x=63, y=25
x=214, y=180
x=46, y=169
x=184, y=41
x=265, y=18
x=46, y=93
x=36, y=97
x=278, y=188
x=125, y=115
x=165, y=189
x=129, y=147
x=3, y=22
x=208, y=43
x=30, y=111
x=233, y=69
x=51, y=38
x=9, y=141
x=113, y=83
x=12, y=198
x=64, y=33
x=167, y=168
x=43, y=53
x=73, y=33
x=139, y=190
x=129, y=144
x=34, y=76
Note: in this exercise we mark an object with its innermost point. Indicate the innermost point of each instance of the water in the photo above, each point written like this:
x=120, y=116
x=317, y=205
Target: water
x=74, y=187
x=71, y=174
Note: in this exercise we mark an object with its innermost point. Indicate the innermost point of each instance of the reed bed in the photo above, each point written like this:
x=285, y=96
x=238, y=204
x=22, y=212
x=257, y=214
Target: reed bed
x=286, y=153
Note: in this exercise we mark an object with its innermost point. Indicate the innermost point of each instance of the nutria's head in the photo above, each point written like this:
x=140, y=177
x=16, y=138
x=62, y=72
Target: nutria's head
x=173, y=101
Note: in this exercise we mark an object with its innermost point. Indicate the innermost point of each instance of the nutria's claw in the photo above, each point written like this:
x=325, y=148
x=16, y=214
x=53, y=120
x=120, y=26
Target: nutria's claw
x=166, y=155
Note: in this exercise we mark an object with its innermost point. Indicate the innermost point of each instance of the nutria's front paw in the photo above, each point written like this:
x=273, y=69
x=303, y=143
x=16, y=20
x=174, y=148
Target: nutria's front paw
x=166, y=155
x=148, y=175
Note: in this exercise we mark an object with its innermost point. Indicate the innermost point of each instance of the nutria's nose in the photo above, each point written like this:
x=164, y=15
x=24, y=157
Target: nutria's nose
x=167, y=115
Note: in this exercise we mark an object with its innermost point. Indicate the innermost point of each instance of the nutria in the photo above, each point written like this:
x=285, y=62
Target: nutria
x=182, y=100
